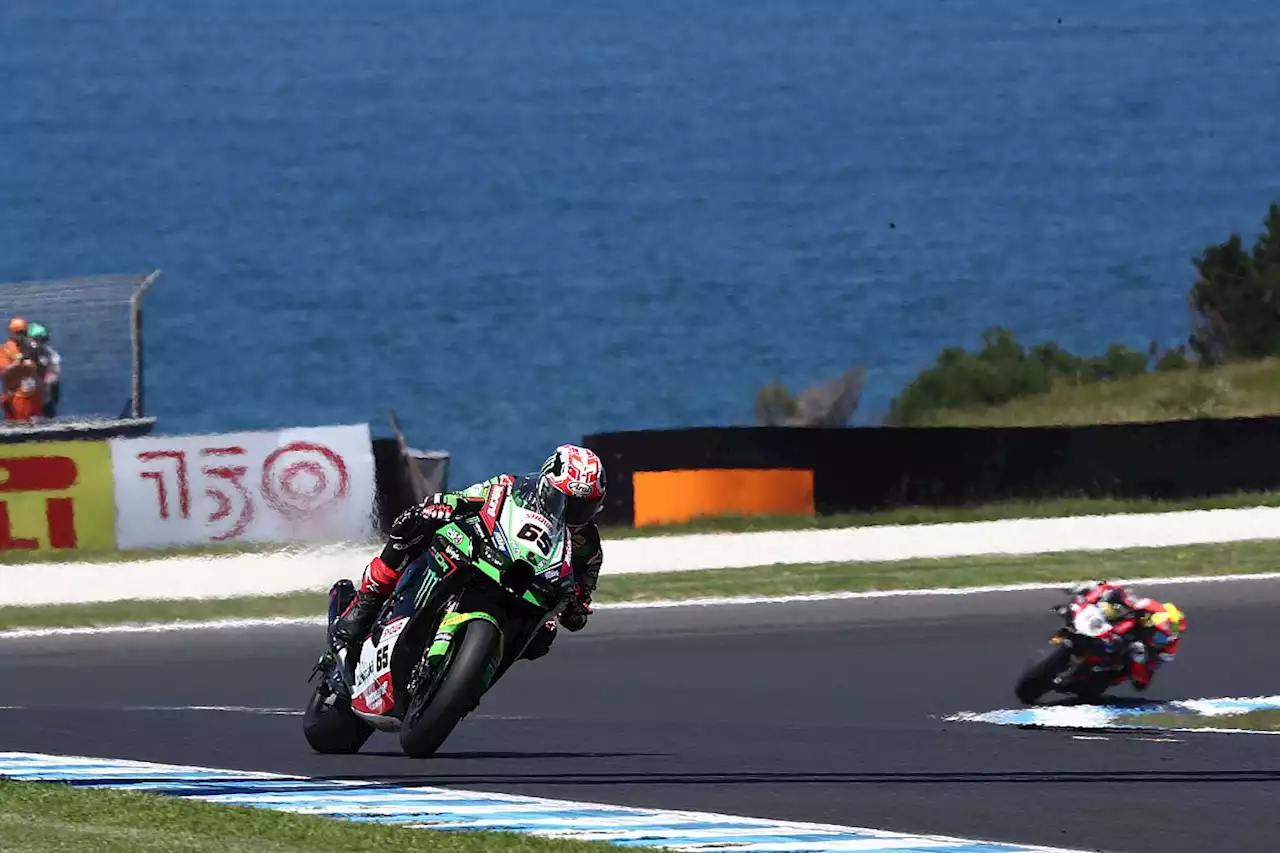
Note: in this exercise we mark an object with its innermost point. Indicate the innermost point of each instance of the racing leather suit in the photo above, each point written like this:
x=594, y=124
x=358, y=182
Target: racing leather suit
x=1148, y=648
x=411, y=535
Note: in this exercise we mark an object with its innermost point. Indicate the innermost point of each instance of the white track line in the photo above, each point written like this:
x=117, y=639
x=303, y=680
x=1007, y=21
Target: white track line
x=726, y=601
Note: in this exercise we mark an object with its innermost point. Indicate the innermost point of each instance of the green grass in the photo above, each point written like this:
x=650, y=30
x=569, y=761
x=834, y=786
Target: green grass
x=1199, y=560
x=1250, y=389
x=1256, y=720
x=48, y=818
x=174, y=610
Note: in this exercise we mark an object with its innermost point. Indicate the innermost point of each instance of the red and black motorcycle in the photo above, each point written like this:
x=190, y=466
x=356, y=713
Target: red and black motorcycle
x=1084, y=658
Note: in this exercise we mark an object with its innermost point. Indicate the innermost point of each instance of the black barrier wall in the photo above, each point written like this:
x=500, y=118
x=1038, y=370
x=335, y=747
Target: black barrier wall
x=76, y=430
x=393, y=486
x=874, y=468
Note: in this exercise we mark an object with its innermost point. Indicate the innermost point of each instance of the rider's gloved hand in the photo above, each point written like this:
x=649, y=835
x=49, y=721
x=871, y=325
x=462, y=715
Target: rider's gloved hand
x=435, y=508
x=412, y=525
x=574, y=616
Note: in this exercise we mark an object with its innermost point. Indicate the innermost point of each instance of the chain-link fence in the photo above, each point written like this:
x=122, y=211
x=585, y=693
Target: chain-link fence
x=95, y=325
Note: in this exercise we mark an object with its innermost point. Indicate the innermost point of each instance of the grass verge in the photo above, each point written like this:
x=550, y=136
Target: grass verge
x=174, y=610
x=1248, y=389
x=49, y=818
x=1198, y=560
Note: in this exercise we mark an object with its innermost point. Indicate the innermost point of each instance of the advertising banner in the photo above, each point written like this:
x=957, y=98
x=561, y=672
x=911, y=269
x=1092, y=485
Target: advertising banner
x=56, y=496
x=296, y=485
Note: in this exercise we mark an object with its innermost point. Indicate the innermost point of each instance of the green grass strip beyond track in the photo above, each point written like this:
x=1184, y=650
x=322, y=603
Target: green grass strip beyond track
x=52, y=818
x=1192, y=561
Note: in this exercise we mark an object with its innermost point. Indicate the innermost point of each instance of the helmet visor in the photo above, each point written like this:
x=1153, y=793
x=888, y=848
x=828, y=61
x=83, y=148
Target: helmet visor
x=538, y=495
x=552, y=501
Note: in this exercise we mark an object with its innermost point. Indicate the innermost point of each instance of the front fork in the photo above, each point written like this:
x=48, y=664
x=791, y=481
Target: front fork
x=452, y=617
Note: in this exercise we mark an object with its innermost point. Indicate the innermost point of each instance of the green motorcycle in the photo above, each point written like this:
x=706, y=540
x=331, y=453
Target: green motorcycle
x=461, y=614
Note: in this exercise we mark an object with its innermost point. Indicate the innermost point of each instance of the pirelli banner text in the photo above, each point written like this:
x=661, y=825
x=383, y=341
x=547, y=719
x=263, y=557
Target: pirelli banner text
x=296, y=485
x=56, y=496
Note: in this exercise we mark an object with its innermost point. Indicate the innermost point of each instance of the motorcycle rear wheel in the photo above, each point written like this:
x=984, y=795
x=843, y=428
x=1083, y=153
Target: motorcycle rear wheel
x=333, y=729
x=433, y=714
x=1037, y=678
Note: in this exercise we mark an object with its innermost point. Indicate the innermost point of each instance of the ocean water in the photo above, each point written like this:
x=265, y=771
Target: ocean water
x=517, y=223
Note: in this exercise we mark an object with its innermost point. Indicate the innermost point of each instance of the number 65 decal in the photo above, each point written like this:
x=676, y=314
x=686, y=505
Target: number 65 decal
x=534, y=533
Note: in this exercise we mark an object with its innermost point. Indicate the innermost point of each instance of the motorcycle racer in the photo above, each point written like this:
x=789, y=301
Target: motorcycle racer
x=570, y=485
x=1150, y=631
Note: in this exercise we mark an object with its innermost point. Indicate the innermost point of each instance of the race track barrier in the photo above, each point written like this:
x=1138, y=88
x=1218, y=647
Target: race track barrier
x=56, y=496
x=311, y=484
x=865, y=469
x=308, y=484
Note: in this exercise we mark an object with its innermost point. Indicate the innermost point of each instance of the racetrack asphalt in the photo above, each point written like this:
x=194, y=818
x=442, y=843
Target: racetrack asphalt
x=817, y=711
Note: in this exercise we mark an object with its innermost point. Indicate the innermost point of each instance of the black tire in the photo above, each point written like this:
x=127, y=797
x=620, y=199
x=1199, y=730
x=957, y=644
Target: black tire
x=1037, y=678
x=432, y=715
x=1091, y=693
x=335, y=729
x=1091, y=690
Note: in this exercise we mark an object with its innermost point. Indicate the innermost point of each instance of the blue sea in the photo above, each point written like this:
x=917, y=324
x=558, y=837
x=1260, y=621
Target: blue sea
x=520, y=222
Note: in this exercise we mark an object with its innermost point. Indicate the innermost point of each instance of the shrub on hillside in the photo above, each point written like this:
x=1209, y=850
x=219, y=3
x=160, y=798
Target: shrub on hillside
x=1236, y=298
x=829, y=403
x=775, y=405
x=1003, y=370
x=1173, y=360
x=1118, y=362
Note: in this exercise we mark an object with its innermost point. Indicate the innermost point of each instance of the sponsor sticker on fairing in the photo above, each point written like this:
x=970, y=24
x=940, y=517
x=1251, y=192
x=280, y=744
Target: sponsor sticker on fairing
x=495, y=498
x=368, y=664
x=500, y=539
x=394, y=628
x=375, y=698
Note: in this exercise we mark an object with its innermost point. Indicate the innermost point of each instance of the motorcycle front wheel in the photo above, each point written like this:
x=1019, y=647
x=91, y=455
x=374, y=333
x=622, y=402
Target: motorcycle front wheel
x=437, y=708
x=1038, y=677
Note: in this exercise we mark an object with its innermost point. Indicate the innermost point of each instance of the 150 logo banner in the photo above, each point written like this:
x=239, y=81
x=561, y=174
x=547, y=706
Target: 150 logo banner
x=309, y=484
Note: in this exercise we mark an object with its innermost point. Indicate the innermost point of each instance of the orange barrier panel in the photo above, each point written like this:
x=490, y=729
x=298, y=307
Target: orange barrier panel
x=56, y=496
x=670, y=497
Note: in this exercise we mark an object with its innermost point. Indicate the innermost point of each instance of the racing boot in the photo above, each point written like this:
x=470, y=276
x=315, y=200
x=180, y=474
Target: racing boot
x=349, y=630
x=355, y=623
